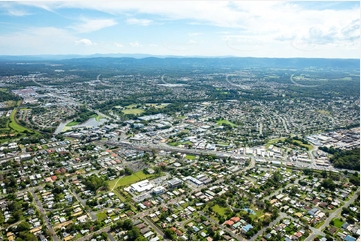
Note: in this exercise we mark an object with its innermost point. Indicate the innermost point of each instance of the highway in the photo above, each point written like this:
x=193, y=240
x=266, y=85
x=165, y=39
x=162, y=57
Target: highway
x=162, y=146
x=301, y=85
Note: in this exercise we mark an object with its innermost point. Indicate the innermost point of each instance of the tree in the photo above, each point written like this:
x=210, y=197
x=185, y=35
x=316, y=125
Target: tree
x=170, y=234
x=157, y=170
x=23, y=226
x=25, y=235
x=328, y=184
x=133, y=233
x=128, y=171
x=127, y=224
x=324, y=174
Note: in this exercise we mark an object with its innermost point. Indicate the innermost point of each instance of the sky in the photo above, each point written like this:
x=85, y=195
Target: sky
x=182, y=28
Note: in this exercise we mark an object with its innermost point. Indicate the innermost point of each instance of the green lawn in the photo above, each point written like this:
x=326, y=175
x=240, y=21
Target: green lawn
x=175, y=143
x=223, y=121
x=134, y=111
x=338, y=223
x=72, y=123
x=222, y=144
x=123, y=199
x=190, y=157
x=274, y=141
x=187, y=143
x=10, y=104
x=218, y=209
x=14, y=125
x=131, y=106
x=98, y=118
x=308, y=147
x=128, y=180
x=101, y=216
x=156, y=105
x=319, y=224
x=258, y=212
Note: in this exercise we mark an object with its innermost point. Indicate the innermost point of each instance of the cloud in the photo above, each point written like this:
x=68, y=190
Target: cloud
x=323, y=36
x=243, y=25
x=18, y=13
x=86, y=42
x=48, y=40
x=136, y=21
x=135, y=44
x=194, y=34
x=91, y=25
x=118, y=45
x=13, y=9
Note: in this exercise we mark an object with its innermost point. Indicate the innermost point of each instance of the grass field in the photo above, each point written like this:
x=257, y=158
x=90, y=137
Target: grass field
x=98, y=118
x=10, y=104
x=319, y=224
x=131, y=106
x=190, y=157
x=156, y=105
x=5, y=126
x=324, y=112
x=273, y=141
x=222, y=144
x=347, y=78
x=134, y=111
x=259, y=213
x=218, y=209
x=101, y=216
x=175, y=143
x=223, y=121
x=72, y=123
x=308, y=147
x=338, y=223
x=14, y=125
x=127, y=180
x=122, y=198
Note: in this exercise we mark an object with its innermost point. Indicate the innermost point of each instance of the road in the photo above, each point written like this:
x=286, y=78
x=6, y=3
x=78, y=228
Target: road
x=110, y=236
x=162, y=78
x=260, y=128
x=284, y=124
x=41, y=209
x=238, y=237
x=273, y=223
x=74, y=101
x=91, y=214
x=300, y=85
x=143, y=215
x=151, y=224
x=162, y=146
x=281, y=188
x=331, y=216
x=235, y=85
x=89, y=236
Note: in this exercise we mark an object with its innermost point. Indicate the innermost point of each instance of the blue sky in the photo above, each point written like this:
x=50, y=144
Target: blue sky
x=184, y=28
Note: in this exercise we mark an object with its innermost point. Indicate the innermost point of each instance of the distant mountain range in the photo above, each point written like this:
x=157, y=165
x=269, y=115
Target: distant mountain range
x=136, y=56
x=161, y=62
x=64, y=57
